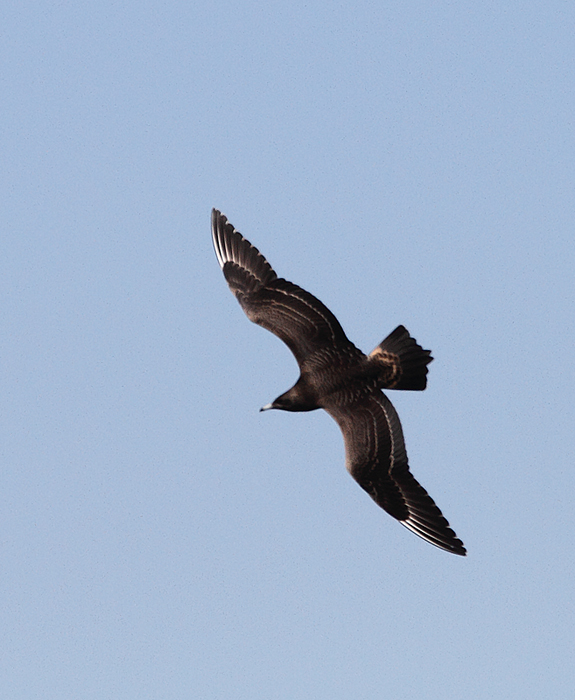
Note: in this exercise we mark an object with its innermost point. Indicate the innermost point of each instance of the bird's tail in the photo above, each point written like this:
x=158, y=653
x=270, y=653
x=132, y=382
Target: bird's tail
x=401, y=362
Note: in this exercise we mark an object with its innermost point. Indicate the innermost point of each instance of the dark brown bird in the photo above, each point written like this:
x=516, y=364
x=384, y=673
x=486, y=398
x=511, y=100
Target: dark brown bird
x=336, y=376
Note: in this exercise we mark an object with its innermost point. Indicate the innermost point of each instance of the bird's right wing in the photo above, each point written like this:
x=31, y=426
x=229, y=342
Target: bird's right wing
x=377, y=460
x=294, y=315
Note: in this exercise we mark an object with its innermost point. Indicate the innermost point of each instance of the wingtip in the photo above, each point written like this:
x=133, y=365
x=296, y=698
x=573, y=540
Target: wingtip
x=218, y=221
x=445, y=539
x=231, y=246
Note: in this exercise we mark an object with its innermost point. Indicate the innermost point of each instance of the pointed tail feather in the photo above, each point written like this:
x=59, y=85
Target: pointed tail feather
x=402, y=363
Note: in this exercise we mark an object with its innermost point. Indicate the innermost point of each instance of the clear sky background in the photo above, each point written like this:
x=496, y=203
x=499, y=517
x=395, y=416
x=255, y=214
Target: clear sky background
x=405, y=162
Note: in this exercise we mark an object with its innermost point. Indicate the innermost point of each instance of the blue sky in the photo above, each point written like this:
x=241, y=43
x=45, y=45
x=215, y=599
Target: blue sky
x=405, y=162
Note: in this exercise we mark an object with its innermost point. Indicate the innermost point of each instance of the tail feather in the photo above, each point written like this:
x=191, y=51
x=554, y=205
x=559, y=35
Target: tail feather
x=401, y=362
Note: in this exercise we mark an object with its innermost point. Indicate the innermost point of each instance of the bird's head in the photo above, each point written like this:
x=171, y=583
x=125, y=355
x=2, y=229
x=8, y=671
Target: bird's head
x=296, y=399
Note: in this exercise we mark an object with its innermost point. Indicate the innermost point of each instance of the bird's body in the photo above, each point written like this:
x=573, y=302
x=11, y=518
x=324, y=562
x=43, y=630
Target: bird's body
x=338, y=377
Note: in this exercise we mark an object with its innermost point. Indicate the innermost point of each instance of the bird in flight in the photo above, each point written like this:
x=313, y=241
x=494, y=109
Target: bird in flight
x=338, y=377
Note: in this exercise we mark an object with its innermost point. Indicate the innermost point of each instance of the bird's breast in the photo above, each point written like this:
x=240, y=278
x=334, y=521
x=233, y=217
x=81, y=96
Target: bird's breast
x=337, y=374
